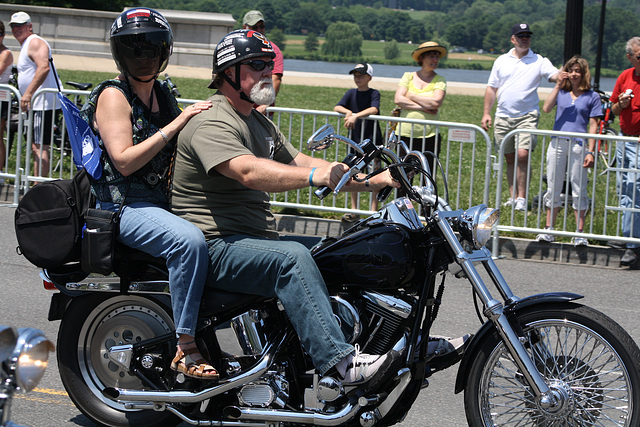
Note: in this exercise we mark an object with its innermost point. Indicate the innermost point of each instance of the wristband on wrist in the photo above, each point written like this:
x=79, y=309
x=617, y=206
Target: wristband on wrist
x=592, y=153
x=311, y=177
x=163, y=135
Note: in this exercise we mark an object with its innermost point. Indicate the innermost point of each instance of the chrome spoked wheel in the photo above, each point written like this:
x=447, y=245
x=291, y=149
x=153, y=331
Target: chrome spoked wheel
x=591, y=372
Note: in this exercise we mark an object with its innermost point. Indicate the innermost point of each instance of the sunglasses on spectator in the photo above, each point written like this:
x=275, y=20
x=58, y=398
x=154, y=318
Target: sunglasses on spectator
x=1, y=33
x=259, y=64
x=524, y=36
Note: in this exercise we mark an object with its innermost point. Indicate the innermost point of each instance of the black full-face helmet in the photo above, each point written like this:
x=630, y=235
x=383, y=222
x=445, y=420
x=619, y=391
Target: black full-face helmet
x=238, y=46
x=141, y=42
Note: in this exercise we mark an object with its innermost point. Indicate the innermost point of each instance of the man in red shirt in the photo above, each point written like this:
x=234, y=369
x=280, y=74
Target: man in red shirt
x=626, y=105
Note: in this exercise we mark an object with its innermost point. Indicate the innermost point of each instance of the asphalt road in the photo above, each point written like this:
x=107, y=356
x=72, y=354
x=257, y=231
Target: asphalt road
x=24, y=302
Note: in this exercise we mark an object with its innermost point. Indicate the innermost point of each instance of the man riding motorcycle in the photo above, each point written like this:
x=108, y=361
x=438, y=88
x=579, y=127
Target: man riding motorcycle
x=227, y=161
x=226, y=164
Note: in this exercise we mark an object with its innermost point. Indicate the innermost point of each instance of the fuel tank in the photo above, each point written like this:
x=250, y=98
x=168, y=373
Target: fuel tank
x=378, y=255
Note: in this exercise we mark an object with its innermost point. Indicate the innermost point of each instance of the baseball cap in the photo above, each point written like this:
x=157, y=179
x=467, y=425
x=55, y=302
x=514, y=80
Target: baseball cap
x=252, y=17
x=520, y=28
x=363, y=69
x=20, y=18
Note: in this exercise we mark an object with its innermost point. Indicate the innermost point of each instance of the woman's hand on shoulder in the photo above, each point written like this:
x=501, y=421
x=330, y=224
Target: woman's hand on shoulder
x=190, y=111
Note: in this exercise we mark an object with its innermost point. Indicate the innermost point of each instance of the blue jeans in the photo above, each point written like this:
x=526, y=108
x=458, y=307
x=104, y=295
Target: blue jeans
x=629, y=188
x=286, y=270
x=156, y=231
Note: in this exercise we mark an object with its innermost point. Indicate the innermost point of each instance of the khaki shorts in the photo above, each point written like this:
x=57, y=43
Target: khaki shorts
x=504, y=125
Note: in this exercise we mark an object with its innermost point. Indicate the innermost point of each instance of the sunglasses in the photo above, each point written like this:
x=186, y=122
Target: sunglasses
x=524, y=36
x=1, y=33
x=259, y=64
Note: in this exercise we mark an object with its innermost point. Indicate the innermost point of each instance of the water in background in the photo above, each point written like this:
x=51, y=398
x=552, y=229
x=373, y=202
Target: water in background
x=380, y=70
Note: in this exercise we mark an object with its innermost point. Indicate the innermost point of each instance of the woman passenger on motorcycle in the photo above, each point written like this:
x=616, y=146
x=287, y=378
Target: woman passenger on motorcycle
x=137, y=120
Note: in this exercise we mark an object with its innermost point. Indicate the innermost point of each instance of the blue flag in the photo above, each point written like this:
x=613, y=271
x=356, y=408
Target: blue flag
x=84, y=144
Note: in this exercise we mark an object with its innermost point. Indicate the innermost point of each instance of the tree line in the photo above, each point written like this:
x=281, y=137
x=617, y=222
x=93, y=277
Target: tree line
x=470, y=24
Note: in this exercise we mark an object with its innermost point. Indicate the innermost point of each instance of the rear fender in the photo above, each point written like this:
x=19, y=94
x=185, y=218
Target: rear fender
x=488, y=327
x=60, y=302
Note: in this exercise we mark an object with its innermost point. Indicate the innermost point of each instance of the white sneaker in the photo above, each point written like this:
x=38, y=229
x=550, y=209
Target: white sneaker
x=546, y=238
x=521, y=204
x=579, y=241
x=363, y=368
x=509, y=202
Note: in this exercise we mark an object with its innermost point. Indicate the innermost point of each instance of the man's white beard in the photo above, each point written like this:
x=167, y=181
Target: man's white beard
x=263, y=93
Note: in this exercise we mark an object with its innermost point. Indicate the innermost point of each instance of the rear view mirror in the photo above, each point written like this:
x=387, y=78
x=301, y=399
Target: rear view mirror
x=321, y=139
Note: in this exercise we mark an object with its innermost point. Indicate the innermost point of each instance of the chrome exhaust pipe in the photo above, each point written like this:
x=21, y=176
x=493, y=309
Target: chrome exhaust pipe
x=274, y=415
x=182, y=396
x=346, y=414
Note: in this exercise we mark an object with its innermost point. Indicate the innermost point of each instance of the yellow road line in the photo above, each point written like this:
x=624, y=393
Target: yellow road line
x=50, y=391
x=30, y=398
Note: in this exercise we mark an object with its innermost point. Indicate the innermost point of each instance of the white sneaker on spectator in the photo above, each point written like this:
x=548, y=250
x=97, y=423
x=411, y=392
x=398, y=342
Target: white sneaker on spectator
x=521, y=204
x=579, y=241
x=509, y=202
x=546, y=238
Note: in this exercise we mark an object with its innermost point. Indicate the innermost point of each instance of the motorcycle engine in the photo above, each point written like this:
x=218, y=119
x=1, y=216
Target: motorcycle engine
x=380, y=320
x=272, y=388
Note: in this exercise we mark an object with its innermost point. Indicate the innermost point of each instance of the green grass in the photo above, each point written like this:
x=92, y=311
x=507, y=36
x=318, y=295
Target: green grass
x=456, y=108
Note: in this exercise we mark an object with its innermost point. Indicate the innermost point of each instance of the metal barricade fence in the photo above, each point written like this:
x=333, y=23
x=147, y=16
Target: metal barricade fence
x=604, y=213
x=14, y=129
x=473, y=174
x=465, y=159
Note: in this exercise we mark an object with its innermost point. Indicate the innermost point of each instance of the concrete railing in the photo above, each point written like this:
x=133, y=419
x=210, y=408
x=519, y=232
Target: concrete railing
x=86, y=32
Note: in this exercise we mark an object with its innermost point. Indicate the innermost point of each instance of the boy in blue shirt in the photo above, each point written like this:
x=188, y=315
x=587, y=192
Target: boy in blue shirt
x=357, y=104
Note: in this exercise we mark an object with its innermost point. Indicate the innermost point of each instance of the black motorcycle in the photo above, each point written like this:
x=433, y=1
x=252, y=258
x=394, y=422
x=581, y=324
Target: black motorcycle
x=542, y=360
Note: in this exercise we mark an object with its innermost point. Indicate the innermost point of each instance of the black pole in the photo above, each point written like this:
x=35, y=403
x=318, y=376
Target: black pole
x=573, y=29
x=596, y=75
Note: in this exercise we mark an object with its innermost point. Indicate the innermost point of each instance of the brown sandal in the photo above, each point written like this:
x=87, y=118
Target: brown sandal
x=194, y=368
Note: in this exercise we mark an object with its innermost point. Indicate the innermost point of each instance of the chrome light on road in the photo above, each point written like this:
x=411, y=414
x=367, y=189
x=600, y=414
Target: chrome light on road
x=476, y=224
x=32, y=355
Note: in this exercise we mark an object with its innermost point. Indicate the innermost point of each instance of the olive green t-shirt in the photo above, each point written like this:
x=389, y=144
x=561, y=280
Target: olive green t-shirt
x=219, y=205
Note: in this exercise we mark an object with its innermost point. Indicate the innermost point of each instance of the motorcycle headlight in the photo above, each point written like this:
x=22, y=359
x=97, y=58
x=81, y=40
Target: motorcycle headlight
x=32, y=355
x=476, y=225
x=8, y=338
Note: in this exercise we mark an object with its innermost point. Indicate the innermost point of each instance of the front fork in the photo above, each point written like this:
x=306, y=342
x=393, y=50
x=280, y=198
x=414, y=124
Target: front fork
x=493, y=309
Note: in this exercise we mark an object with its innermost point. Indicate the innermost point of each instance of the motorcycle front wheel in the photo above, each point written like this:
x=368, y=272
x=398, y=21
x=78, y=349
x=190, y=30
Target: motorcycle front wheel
x=90, y=326
x=588, y=361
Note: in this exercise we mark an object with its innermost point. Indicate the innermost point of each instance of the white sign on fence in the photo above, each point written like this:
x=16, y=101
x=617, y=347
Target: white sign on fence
x=462, y=135
x=5, y=95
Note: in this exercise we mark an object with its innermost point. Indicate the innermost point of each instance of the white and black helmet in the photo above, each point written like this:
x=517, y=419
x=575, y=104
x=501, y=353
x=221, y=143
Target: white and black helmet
x=237, y=46
x=139, y=34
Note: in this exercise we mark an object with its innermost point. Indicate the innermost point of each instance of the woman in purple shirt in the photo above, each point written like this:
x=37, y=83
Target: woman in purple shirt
x=578, y=110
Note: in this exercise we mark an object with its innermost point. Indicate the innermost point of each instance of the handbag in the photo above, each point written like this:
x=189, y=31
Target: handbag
x=99, y=238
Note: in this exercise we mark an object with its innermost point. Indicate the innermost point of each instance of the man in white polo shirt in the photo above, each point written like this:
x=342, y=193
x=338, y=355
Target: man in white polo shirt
x=514, y=80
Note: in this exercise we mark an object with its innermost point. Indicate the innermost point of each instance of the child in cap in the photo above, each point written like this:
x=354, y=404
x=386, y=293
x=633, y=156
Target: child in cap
x=356, y=105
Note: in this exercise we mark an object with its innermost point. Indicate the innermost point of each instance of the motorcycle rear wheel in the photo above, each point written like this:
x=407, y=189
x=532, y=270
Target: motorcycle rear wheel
x=584, y=356
x=90, y=326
